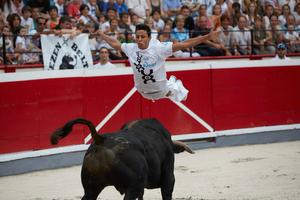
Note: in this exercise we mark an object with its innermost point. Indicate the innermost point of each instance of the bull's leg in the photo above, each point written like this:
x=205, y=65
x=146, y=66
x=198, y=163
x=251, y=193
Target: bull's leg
x=167, y=180
x=134, y=193
x=91, y=193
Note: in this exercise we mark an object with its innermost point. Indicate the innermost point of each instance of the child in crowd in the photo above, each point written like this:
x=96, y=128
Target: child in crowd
x=26, y=19
x=24, y=46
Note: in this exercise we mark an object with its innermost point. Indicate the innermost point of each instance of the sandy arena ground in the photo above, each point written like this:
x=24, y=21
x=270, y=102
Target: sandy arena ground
x=256, y=172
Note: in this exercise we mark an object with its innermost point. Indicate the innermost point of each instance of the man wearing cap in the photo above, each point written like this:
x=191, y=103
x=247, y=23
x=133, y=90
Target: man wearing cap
x=281, y=52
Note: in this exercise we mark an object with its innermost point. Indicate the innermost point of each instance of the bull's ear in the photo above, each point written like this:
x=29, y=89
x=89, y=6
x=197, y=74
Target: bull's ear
x=179, y=147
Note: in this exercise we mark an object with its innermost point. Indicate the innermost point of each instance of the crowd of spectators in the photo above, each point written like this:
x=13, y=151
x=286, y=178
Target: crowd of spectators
x=247, y=26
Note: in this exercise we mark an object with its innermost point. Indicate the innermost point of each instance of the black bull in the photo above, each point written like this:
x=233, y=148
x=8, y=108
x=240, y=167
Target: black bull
x=140, y=155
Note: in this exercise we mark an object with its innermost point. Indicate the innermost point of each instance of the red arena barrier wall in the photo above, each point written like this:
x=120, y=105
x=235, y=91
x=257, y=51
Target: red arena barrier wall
x=224, y=96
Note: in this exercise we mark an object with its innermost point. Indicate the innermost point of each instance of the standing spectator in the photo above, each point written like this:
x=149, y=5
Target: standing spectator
x=140, y=8
x=209, y=47
x=226, y=35
x=26, y=19
x=171, y=8
x=73, y=9
x=42, y=5
x=281, y=52
x=242, y=38
x=104, y=62
x=60, y=4
x=54, y=18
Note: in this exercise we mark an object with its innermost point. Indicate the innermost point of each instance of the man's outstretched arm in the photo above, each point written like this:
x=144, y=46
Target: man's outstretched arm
x=194, y=41
x=114, y=43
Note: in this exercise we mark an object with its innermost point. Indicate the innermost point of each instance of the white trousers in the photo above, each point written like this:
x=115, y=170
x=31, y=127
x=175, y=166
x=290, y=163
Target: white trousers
x=174, y=90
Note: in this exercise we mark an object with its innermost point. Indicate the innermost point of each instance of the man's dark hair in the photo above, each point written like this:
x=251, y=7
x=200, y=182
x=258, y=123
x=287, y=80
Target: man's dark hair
x=143, y=27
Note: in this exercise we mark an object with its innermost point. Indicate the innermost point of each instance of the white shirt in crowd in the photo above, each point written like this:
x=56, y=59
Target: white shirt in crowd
x=242, y=38
x=107, y=65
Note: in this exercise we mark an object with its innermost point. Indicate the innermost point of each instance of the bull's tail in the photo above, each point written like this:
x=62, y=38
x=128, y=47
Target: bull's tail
x=67, y=128
x=179, y=147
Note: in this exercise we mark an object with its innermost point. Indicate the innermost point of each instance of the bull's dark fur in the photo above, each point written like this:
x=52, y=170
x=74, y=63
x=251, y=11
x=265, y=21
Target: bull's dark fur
x=139, y=156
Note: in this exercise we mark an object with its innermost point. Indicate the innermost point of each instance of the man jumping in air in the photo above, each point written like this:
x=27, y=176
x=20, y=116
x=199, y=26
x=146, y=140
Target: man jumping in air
x=147, y=58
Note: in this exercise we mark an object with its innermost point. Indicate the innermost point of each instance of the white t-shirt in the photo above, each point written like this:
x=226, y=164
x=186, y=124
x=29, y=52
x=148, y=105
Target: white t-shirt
x=149, y=65
x=107, y=65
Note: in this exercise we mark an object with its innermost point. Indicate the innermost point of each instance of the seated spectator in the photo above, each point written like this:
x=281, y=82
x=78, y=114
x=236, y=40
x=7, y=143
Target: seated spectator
x=25, y=46
x=171, y=8
x=281, y=52
x=157, y=5
x=42, y=5
x=60, y=4
x=260, y=45
x=274, y=33
x=215, y=18
x=54, y=18
x=235, y=13
x=154, y=32
x=179, y=33
x=73, y=9
x=121, y=7
x=26, y=19
x=85, y=17
x=226, y=35
x=158, y=23
x=269, y=11
x=94, y=10
x=14, y=22
x=10, y=7
x=208, y=48
x=140, y=8
x=286, y=11
x=165, y=34
x=224, y=6
x=209, y=5
x=297, y=13
x=111, y=14
x=292, y=40
x=104, y=62
x=203, y=12
x=189, y=22
x=11, y=57
x=113, y=32
x=251, y=15
x=108, y=4
x=242, y=38
x=124, y=22
x=134, y=21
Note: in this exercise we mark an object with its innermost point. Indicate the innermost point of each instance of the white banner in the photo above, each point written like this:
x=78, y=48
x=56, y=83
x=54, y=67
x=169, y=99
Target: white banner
x=65, y=53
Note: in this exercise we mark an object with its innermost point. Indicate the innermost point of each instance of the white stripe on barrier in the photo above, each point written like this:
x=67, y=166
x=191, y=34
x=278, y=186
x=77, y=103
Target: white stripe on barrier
x=190, y=136
x=112, y=112
x=170, y=66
